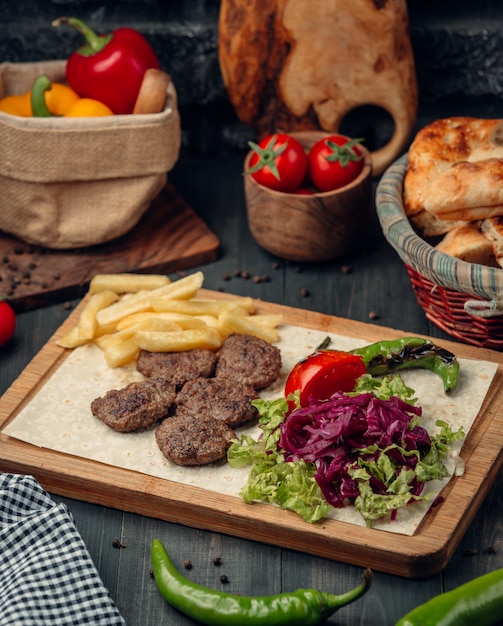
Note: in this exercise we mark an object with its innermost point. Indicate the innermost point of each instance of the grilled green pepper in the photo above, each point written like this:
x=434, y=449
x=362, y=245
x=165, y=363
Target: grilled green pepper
x=304, y=607
x=478, y=602
x=386, y=357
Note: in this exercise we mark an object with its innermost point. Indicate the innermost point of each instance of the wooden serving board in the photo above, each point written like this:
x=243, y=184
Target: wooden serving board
x=169, y=237
x=419, y=556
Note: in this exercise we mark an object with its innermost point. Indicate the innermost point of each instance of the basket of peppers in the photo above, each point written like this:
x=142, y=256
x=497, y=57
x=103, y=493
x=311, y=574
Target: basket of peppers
x=87, y=142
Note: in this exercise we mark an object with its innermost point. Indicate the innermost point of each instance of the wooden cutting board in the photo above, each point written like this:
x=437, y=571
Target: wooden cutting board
x=419, y=556
x=296, y=65
x=170, y=237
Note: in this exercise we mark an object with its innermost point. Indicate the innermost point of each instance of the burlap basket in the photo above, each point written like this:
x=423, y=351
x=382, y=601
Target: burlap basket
x=463, y=299
x=75, y=182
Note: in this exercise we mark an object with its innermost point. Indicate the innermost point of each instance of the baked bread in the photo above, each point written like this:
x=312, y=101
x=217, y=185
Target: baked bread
x=492, y=228
x=468, y=243
x=455, y=170
x=453, y=187
x=467, y=191
x=428, y=225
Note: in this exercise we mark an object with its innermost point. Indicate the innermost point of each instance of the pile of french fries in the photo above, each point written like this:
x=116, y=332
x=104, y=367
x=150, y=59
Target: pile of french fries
x=126, y=313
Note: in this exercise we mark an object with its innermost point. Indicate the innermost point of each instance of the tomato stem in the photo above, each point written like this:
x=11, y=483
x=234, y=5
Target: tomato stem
x=267, y=156
x=344, y=154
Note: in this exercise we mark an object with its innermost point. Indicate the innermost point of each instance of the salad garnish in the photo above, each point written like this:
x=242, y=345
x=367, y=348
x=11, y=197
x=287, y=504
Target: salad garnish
x=364, y=448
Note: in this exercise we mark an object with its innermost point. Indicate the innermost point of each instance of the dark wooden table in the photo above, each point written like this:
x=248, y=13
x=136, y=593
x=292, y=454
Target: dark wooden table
x=372, y=286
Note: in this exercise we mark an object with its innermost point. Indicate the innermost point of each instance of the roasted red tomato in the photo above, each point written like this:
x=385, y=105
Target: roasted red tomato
x=7, y=322
x=322, y=374
x=279, y=162
x=334, y=162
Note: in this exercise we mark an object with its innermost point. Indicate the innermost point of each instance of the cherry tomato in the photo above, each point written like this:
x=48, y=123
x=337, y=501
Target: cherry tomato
x=323, y=373
x=7, y=322
x=279, y=162
x=304, y=191
x=334, y=162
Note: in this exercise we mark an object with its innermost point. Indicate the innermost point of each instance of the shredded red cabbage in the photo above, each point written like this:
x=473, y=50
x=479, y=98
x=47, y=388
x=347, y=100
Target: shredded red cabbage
x=332, y=434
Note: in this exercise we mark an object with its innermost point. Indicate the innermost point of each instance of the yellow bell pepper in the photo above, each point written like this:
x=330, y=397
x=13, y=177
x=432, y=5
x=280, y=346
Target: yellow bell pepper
x=17, y=105
x=58, y=100
x=87, y=107
x=62, y=103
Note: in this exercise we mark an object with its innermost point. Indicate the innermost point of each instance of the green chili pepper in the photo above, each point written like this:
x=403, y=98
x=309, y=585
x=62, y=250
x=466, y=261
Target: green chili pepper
x=304, y=607
x=478, y=602
x=386, y=357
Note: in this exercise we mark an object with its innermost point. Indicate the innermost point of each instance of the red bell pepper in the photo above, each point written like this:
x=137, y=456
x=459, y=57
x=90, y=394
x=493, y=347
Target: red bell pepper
x=109, y=68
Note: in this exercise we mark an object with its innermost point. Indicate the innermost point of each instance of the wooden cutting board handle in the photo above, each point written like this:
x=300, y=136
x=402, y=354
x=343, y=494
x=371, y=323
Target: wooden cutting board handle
x=296, y=65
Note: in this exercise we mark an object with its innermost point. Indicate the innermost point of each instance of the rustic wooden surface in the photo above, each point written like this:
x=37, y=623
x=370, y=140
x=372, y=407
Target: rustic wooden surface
x=169, y=237
x=373, y=283
x=279, y=75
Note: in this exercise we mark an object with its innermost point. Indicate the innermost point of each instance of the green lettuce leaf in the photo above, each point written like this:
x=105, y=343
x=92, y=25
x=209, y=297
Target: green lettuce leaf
x=292, y=486
x=288, y=485
x=385, y=387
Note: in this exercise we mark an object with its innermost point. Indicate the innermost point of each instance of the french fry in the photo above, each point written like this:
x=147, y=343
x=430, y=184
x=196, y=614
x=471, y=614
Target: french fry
x=183, y=288
x=151, y=323
x=110, y=339
x=198, y=307
x=88, y=324
x=178, y=341
x=121, y=353
x=72, y=339
x=245, y=302
x=150, y=312
x=271, y=319
x=148, y=325
x=182, y=321
x=127, y=283
x=109, y=317
x=230, y=323
x=209, y=320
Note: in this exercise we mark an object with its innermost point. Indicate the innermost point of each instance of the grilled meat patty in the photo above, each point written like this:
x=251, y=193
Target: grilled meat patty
x=224, y=399
x=211, y=391
x=178, y=367
x=193, y=441
x=137, y=406
x=249, y=360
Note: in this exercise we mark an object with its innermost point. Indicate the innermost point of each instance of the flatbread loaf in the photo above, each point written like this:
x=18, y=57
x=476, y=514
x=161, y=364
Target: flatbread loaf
x=430, y=226
x=455, y=170
x=469, y=244
x=492, y=228
x=453, y=187
x=467, y=191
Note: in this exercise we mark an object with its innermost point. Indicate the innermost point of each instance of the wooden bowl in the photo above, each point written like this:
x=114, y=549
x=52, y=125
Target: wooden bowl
x=313, y=228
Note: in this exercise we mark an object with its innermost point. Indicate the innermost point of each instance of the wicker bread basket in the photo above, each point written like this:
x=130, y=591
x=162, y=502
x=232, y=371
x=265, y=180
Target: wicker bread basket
x=463, y=299
x=75, y=182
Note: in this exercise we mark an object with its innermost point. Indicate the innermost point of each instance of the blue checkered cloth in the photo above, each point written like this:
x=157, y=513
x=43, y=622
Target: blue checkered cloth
x=47, y=576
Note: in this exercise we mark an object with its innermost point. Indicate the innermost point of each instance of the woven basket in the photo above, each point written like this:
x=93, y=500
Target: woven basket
x=463, y=299
x=75, y=182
